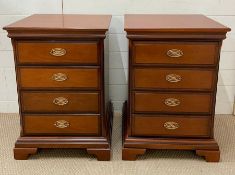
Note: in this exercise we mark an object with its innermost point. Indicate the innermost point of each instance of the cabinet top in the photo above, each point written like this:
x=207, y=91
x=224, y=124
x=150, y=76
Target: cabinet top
x=65, y=22
x=172, y=23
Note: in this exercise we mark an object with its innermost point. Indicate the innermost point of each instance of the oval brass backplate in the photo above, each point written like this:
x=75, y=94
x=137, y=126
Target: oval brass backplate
x=171, y=125
x=59, y=77
x=61, y=124
x=175, y=53
x=173, y=78
x=172, y=102
x=60, y=101
x=58, y=52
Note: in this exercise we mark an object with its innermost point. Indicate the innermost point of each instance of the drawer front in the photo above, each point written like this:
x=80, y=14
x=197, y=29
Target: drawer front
x=57, y=53
x=179, y=126
x=61, y=124
x=157, y=78
x=175, y=53
x=172, y=102
x=59, y=102
x=59, y=78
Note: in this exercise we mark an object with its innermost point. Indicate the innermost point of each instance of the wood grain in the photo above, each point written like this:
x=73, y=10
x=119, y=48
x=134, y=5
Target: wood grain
x=188, y=79
x=193, y=53
x=153, y=125
x=60, y=67
x=24, y=153
x=42, y=77
x=210, y=155
x=77, y=102
x=155, y=102
x=38, y=52
x=64, y=22
x=172, y=23
x=77, y=125
x=162, y=114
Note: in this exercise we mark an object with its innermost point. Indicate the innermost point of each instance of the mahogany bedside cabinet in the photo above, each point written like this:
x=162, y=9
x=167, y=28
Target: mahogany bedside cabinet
x=63, y=93
x=173, y=69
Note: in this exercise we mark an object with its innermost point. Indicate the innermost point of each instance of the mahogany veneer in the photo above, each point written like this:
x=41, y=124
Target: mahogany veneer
x=173, y=73
x=63, y=93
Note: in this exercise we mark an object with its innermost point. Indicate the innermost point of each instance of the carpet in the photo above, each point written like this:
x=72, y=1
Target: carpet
x=154, y=162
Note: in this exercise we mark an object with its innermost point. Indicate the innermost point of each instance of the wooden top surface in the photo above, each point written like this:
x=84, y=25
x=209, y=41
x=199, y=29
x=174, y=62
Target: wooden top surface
x=172, y=23
x=62, y=22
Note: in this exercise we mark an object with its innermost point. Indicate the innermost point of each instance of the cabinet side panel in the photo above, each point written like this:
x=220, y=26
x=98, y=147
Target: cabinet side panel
x=106, y=69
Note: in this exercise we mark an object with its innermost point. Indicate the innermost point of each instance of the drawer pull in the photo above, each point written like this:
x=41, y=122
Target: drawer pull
x=172, y=102
x=60, y=101
x=173, y=78
x=61, y=124
x=58, y=52
x=59, y=77
x=171, y=125
x=175, y=53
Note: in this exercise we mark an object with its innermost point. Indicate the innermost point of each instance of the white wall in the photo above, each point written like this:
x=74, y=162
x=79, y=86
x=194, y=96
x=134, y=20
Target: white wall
x=220, y=10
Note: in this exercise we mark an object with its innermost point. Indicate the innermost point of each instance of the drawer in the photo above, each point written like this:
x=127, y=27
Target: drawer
x=204, y=53
x=61, y=124
x=160, y=78
x=172, y=126
x=172, y=102
x=34, y=77
x=57, y=53
x=60, y=102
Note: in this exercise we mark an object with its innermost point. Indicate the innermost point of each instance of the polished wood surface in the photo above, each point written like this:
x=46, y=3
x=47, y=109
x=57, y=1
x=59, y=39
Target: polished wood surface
x=131, y=154
x=48, y=77
x=136, y=145
x=24, y=153
x=172, y=23
x=62, y=22
x=173, y=74
x=193, y=52
x=210, y=155
x=154, y=125
x=62, y=89
x=76, y=125
x=157, y=102
x=76, y=102
x=74, y=52
x=173, y=78
x=101, y=154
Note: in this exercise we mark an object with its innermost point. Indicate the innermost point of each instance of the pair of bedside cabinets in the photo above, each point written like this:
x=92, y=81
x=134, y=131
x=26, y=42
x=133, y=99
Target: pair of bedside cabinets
x=62, y=79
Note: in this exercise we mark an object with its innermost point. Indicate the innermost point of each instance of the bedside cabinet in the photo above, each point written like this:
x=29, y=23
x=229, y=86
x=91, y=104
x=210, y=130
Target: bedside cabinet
x=173, y=72
x=63, y=93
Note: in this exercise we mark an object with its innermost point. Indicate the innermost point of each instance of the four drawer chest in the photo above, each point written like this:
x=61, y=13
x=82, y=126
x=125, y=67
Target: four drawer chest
x=173, y=72
x=62, y=82
x=63, y=93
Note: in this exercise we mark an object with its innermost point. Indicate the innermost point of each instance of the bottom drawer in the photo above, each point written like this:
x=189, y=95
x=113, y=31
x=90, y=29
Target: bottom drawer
x=171, y=126
x=61, y=124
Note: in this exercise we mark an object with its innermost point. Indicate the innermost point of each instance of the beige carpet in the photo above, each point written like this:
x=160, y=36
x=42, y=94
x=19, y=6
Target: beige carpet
x=75, y=161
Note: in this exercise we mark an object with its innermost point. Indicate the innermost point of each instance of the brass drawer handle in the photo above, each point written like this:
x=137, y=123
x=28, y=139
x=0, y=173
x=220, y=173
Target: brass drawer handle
x=172, y=102
x=175, y=53
x=58, y=52
x=173, y=78
x=171, y=125
x=60, y=101
x=61, y=124
x=59, y=77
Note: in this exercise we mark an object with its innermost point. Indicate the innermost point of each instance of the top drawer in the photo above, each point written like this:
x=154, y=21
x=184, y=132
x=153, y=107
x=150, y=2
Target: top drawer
x=204, y=53
x=57, y=53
